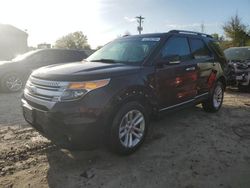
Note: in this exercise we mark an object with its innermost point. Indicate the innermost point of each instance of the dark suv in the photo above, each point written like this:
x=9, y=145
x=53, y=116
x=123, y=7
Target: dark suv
x=14, y=73
x=111, y=95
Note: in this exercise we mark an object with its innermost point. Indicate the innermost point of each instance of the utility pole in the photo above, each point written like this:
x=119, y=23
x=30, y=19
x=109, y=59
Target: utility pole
x=202, y=27
x=140, y=21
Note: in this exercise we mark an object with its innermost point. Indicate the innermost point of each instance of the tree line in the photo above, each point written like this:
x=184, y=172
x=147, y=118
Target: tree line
x=236, y=34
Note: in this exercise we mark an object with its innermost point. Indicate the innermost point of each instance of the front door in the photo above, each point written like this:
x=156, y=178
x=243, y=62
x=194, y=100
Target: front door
x=176, y=76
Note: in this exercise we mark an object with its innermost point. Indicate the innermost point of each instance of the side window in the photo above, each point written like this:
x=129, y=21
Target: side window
x=176, y=46
x=36, y=58
x=49, y=57
x=71, y=56
x=65, y=56
x=199, y=49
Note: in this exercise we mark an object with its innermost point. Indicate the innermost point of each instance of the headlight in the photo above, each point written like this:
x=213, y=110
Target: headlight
x=76, y=90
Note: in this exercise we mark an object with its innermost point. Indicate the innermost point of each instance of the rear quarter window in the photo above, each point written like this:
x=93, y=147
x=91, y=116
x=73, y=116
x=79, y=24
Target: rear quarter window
x=199, y=49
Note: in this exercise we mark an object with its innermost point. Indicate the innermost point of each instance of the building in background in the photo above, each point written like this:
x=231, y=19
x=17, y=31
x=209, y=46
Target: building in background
x=13, y=42
x=44, y=46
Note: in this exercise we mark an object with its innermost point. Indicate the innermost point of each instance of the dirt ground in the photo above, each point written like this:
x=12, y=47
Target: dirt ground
x=189, y=149
x=10, y=110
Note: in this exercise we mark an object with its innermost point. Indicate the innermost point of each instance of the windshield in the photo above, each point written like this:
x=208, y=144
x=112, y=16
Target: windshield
x=241, y=54
x=24, y=56
x=127, y=51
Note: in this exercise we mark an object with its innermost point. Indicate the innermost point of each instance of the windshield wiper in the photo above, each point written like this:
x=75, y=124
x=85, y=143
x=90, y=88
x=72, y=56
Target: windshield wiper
x=104, y=60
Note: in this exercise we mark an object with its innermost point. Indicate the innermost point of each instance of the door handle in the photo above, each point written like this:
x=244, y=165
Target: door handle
x=190, y=69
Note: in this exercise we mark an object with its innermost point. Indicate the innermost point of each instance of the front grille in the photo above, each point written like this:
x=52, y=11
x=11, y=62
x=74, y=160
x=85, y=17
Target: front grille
x=47, y=83
x=39, y=96
x=44, y=89
x=44, y=92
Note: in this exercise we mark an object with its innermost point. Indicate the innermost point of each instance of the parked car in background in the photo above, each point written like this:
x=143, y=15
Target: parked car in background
x=14, y=73
x=239, y=67
x=114, y=92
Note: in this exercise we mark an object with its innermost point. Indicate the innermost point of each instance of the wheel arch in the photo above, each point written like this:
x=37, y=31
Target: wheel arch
x=136, y=93
x=222, y=79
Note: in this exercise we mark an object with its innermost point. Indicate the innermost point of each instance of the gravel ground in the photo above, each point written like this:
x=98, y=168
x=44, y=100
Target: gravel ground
x=189, y=149
x=10, y=110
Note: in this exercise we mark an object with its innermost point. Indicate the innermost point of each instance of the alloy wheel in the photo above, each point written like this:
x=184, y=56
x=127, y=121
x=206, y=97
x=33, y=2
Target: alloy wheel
x=13, y=83
x=218, y=95
x=132, y=128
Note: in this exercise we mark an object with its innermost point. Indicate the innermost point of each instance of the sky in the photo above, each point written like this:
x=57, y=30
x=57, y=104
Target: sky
x=105, y=20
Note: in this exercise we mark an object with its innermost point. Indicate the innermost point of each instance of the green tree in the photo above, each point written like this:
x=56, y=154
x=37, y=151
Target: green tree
x=236, y=31
x=76, y=40
x=216, y=36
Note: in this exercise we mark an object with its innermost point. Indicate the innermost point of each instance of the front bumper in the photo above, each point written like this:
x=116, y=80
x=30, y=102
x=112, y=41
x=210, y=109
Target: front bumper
x=67, y=125
x=238, y=75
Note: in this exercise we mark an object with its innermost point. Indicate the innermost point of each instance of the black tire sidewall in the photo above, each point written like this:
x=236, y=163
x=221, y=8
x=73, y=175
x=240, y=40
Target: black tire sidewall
x=222, y=98
x=211, y=98
x=114, y=140
x=209, y=104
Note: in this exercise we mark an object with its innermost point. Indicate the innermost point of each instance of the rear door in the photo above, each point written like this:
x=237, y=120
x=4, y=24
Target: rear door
x=205, y=63
x=176, y=80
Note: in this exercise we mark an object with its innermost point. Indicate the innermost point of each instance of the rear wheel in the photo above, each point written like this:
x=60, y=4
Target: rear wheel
x=215, y=99
x=11, y=82
x=128, y=129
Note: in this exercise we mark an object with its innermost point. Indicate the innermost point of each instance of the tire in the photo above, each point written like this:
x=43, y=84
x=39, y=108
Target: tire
x=11, y=82
x=243, y=88
x=215, y=99
x=125, y=137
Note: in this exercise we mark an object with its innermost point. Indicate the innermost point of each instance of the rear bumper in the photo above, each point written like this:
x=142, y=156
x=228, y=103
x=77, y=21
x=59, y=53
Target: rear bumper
x=67, y=125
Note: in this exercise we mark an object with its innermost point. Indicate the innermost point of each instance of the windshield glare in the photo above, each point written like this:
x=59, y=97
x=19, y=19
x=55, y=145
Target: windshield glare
x=131, y=52
x=241, y=54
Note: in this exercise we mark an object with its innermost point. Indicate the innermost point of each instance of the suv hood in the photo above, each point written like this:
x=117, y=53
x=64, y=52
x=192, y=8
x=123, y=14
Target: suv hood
x=83, y=71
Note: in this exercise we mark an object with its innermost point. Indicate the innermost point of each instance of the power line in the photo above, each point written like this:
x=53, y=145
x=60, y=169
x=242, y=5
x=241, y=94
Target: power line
x=140, y=21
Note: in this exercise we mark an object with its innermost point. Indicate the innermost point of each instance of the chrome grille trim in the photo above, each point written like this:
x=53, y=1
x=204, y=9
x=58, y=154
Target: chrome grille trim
x=47, y=104
x=48, y=83
x=46, y=88
x=40, y=97
x=44, y=92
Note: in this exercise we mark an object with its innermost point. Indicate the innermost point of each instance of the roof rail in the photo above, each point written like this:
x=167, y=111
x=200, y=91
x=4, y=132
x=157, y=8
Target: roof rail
x=190, y=33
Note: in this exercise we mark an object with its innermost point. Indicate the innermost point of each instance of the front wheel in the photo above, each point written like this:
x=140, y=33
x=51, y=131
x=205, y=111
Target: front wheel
x=11, y=82
x=128, y=129
x=215, y=99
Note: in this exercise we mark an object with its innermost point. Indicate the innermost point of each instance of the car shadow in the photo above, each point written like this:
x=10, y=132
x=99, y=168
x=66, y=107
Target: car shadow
x=78, y=168
x=233, y=90
x=175, y=142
